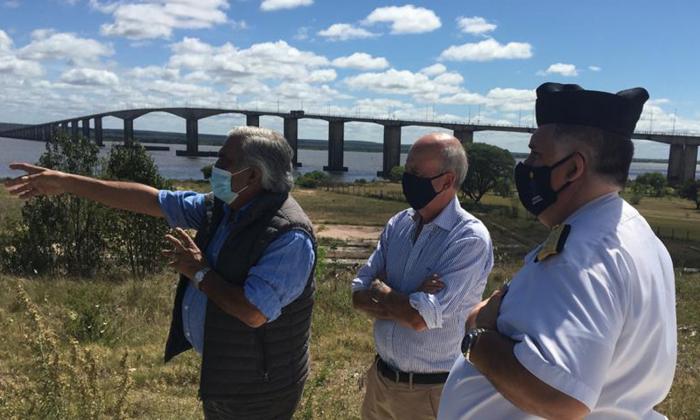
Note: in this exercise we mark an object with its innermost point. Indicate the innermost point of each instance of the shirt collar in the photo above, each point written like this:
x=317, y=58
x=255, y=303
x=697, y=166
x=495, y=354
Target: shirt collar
x=447, y=217
x=228, y=212
x=592, y=206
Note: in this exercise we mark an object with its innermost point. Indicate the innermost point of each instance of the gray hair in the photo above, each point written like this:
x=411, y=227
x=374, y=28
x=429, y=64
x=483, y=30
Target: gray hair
x=268, y=151
x=454, y=159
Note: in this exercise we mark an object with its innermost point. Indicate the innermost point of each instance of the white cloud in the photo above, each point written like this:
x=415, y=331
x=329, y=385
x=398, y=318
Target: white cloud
x=154, y=72
x=403, y=82
x=271, y=5
x=405, y=19
x=563, y=69
x=344, y=32
x=362, y=61
x=322, y=76
x=509, y=99
x=49, y=45
x=434, y=70
x=86, y=76
x=149, y=19
x=302, y=33
x=475, y=25
x=487, y=50
x=5, y=41
x=594, y=68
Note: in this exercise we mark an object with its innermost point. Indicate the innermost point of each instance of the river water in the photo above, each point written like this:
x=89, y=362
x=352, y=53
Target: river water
x=361, y=165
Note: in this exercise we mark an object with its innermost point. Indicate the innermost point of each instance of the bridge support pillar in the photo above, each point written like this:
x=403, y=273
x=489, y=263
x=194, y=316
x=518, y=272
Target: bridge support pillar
x=336, y=142
x=86, y=128
x=252, y=120
x=64, y=128
x=192, y=136
x=291, y=133
x=392, y=149
x=690, y=161
x=74, y=129
x=464, y=136
x=128, y=131
x=99, y=139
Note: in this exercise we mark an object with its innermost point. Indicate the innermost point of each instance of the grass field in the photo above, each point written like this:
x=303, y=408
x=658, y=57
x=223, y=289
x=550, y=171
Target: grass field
x=113, y=316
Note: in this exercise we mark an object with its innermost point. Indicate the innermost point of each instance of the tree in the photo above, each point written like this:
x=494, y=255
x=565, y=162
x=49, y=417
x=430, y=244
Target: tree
x=689, y=191
x=61, y=234
x=650, y=184
x=135, y=240
x=396, y=173
x=488, y=166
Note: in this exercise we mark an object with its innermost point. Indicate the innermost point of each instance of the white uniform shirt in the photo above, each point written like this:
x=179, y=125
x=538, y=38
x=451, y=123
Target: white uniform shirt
x=597, y=322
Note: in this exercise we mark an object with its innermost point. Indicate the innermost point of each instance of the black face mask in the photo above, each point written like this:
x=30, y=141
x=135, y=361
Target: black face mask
x=535, y=187
x=418, y=191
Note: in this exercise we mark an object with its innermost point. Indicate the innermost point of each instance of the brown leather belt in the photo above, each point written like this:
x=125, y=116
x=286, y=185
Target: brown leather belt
x=407, y=377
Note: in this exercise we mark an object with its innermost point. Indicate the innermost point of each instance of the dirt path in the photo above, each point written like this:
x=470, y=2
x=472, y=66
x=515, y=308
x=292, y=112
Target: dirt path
x=349, y=232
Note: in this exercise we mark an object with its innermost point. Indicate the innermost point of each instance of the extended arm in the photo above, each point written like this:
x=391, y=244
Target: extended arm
x=130, y=196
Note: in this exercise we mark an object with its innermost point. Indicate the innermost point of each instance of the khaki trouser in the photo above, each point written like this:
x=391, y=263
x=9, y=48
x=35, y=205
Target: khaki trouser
x=389, y=400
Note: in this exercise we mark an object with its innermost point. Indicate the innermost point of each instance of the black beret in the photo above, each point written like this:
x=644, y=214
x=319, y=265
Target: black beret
x=571, y=104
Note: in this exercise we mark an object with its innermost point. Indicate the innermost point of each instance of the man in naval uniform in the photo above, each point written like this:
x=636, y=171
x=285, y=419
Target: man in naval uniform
x=587, y=327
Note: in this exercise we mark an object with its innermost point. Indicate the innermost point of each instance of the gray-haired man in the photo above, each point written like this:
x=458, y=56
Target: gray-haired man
x=245, y=295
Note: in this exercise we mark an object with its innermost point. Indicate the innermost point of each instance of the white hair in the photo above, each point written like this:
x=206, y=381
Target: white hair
x=454, y=159
x=268, y=151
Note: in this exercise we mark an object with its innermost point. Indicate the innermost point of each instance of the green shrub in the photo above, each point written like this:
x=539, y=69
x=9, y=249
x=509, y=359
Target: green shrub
x=135, y=240
x=61, y=234
x=396, y=173
x=313, y=179
x=206, y=171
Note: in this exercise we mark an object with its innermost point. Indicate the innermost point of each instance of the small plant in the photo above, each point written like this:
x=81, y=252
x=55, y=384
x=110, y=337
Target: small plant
x=313, y=179
x=206, y=171
x=63, y=383
x=396, y=173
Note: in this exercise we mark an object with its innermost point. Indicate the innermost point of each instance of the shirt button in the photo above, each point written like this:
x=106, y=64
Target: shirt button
x=188, y=335
x=187, y=307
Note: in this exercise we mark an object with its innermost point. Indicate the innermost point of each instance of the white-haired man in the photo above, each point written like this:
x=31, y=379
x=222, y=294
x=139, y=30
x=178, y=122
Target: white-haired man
x=245, y=294
x=430, y=267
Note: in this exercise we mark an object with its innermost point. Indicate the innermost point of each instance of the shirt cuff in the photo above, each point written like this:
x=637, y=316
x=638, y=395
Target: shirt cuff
x=528, y=354
x=428, y=306
x=359, y=284
x=263, y=297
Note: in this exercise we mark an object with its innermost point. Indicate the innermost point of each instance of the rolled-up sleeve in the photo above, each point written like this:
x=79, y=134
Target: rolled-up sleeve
x=281, y=274
x=185, y=209
x=375, y=265
x=463, y=268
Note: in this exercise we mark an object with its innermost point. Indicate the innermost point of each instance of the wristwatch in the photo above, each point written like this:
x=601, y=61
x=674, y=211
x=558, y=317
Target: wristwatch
x=470, y=340
x=199, y=276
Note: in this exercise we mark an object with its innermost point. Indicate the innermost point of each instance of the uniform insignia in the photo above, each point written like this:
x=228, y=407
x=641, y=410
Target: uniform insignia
x=554, y=244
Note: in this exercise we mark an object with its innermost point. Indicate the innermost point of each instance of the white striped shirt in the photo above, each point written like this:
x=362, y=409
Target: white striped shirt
x=457, y=247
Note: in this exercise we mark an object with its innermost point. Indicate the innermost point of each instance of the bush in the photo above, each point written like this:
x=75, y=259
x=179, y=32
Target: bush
x=396, y=173
x=135, y=240
x=67, y=235
x=206, y=171
x=313, y=179
x=652, y=184
x=61, y=234
x=689, y=191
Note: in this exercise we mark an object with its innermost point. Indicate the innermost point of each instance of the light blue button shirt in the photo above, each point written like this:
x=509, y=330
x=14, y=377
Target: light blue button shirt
x=457, y=247
x=275, y=281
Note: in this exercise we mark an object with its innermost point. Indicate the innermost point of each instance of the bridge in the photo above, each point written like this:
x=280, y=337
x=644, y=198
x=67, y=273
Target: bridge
x=682, y=159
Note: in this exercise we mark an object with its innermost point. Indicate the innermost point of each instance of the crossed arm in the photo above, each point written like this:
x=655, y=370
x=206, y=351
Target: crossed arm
x=493, y=355
x=382, y=302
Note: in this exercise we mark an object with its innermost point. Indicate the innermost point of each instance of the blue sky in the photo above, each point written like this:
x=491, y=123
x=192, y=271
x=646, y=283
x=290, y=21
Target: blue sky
x=450, y=60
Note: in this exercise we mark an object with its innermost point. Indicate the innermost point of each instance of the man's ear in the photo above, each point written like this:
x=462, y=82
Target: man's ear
x=255, y=175
x=577, y=167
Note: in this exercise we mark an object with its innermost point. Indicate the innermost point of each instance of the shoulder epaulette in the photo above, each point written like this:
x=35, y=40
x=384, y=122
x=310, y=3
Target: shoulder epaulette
x=554, y=244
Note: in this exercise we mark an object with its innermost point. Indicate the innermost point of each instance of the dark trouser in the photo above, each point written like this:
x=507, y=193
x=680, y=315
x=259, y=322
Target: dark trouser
x=279, y=406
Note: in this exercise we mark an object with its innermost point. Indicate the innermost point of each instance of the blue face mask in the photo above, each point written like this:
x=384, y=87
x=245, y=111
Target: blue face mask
x=220, y=182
